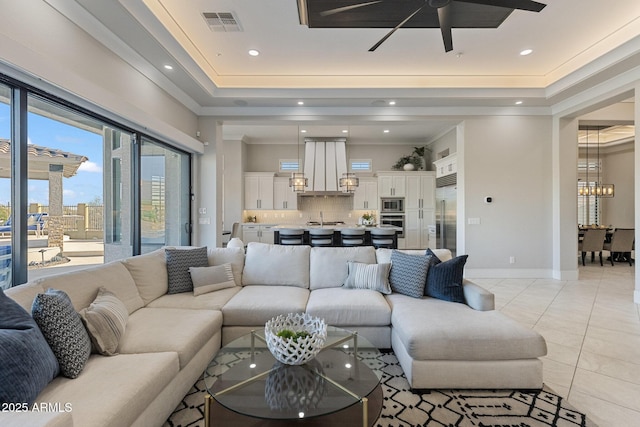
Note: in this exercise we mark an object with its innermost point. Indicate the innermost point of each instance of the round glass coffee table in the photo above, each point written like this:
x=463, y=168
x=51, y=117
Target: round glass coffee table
x=246, y=385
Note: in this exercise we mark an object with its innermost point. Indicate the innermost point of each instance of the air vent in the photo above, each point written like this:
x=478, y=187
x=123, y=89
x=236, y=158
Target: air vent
x=222, y=21
x=444, y=181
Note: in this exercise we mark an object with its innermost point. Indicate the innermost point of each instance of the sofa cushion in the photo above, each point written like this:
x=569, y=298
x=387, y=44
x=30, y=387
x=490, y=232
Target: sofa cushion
x=444, y=279
x=254, y=305
x=384, y=255
x=211, y=301
x=170, y=329
x=63, y=329
x=28, y=364
x=105, y=320
x=409, y=273
x=113, y=391
x=24, y=294
x=212, y=278
x=235, y=256
x=276, y=265
x=349, y=307
x=82, y=285
x=457, y=332
x=368, y=276
x=328, y=266
x=149, y=272
x=178, y=263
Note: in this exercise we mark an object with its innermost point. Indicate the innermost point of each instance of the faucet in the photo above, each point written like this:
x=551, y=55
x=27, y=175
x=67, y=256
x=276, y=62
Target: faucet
x=321, y=219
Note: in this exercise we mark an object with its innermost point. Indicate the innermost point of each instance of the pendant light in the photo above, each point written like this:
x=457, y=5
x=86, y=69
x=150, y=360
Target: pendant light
x=599, y=189
x=298, y=182
x=349, y=181
x=602, y=190
x=584, y=190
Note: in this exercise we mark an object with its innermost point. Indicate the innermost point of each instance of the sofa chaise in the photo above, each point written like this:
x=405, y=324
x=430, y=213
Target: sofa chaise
x=170, y=338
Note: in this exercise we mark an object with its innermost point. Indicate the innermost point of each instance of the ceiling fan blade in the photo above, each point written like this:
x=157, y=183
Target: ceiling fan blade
x=444, y=17
x=530, y=5
x=346, y=8
x=382, y=40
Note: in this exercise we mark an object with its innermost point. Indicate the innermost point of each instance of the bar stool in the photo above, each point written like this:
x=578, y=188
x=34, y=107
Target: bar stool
x=352, y=236
x=290, y=236
x=383, y=238
x=321, y=236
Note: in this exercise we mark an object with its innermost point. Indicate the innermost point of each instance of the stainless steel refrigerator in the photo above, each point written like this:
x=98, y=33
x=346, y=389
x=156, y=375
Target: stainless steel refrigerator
x=446, y=209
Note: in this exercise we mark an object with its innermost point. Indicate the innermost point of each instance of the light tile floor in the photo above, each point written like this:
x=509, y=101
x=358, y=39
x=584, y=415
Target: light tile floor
x=592, y=329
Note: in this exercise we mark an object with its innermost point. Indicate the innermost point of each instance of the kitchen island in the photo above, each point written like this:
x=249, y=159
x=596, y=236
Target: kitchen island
x=337, y=228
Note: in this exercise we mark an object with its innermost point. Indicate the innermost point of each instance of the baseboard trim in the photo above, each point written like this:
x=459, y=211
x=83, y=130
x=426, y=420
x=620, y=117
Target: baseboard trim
x=511, y=273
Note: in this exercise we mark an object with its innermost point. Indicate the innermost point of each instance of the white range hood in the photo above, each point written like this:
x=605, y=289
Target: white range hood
x=325, y=160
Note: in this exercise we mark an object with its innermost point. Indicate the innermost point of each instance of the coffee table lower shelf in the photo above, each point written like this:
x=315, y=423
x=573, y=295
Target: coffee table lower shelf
x=216, y=415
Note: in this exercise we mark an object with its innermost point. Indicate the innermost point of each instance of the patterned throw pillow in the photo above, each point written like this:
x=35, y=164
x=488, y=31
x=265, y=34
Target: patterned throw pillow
x=209, y=279
x=368, y=276
x=105, y=319
x=62, y=328
x=408, y=273
x=178, y=263
x=28, y=364
x=444, y=280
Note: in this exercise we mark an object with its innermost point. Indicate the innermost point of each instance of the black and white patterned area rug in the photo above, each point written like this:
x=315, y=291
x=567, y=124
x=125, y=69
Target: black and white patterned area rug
x=446, y=408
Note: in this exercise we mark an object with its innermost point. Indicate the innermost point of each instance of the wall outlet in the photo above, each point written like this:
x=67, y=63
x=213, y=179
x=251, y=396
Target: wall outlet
x=512, y=260
x=349, y=214
x=473, y=221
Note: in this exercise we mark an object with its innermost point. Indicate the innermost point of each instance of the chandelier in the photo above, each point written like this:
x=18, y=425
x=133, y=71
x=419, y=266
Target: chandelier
x=298, y=182
x=598, y=189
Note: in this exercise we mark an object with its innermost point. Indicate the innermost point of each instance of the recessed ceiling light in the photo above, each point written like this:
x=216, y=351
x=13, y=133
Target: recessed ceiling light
x=386, y=131
x=518, y=102
x=303, y=131
x=300, y=102
x=392, y=102
x=345, y=131
x=168, y=67
x=526, y=52
x=254, y=52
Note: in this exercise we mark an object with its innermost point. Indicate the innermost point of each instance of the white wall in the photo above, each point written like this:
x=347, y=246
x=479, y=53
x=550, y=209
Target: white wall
x=618, y=169
x=508, y=158
x=448, y=141
x=40, y=43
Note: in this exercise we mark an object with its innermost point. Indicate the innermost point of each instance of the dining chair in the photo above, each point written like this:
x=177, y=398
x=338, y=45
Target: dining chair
x=593, y=242
x=622, y=243
x=235, y=228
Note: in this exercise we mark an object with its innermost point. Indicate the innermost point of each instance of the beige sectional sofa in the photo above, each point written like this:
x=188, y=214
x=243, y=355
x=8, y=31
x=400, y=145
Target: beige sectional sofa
x=170, y=338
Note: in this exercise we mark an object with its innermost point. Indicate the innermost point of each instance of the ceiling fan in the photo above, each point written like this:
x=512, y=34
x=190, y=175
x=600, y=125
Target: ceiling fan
x=445, y=14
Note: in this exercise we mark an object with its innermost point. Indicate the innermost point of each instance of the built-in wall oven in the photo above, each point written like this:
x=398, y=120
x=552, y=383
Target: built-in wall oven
x=395, y=220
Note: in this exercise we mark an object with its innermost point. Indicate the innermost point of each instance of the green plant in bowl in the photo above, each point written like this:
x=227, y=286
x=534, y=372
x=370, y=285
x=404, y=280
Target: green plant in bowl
x=288, y=333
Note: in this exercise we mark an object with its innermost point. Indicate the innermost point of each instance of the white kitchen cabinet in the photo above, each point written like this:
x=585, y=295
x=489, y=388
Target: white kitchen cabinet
x=391, y=185
x=261, y=233
x=416, y=228
x=366, y=195
x=447, y=165
x=258, y=190
x=420, y=191
x=283, y=197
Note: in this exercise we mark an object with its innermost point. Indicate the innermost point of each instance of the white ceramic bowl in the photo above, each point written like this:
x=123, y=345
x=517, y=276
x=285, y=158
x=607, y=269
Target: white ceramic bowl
x=295, y=351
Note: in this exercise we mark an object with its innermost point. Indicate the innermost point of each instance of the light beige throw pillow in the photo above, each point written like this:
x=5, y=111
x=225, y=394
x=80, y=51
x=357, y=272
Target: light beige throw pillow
x=212, y=278
x=105, y=320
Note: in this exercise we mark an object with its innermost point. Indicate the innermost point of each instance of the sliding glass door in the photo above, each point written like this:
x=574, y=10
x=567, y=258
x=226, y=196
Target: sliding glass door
x=5, y=187
x=165, y=196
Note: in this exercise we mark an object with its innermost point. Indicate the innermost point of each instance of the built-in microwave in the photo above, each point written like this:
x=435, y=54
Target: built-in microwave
x=392, y=205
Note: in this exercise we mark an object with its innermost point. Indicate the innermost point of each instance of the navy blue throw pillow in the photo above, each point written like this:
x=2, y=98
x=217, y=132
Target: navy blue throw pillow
x=27, y=362
x=444, y=280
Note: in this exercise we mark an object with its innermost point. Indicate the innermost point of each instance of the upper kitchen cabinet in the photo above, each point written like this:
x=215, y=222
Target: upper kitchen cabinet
x=258, y=190
x=366, y=195
x=283, y=197
x=391, y=184
x=420, y=190
x=446, y=165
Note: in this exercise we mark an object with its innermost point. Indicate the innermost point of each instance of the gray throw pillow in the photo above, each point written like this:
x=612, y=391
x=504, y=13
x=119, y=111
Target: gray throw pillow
x=28, y=364
x=409, y=273
x=63, y=329
x=213, y=278
x=105, y=319
x=178, y=263
x=368, y=276
x=444, y=280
